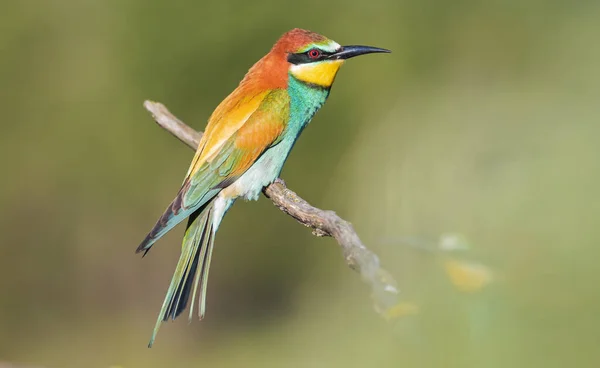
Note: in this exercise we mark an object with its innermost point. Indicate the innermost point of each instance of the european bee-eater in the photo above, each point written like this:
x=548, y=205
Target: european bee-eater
x=245, y=144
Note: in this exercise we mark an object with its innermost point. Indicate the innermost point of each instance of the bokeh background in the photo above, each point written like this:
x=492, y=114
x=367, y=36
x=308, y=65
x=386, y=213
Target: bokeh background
x=480, y=129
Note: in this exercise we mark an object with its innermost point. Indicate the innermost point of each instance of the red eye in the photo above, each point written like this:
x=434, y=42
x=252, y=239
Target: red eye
x=314, y=53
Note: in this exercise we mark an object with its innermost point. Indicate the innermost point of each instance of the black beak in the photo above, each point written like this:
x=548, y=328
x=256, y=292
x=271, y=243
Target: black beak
x=347, y=52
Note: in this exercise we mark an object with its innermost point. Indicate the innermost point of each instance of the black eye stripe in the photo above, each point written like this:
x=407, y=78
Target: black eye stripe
x=304, y=58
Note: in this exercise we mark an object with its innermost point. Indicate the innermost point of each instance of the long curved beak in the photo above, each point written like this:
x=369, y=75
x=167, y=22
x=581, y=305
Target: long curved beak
x=347, y=52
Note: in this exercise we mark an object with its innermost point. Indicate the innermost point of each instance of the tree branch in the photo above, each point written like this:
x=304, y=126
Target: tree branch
x=323, y=222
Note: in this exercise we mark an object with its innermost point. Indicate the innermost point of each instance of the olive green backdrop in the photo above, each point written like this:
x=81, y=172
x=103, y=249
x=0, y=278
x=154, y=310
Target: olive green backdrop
x=483, y=122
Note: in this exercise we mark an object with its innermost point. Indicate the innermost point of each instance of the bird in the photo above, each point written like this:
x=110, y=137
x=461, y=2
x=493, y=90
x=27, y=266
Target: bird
x=243, y=149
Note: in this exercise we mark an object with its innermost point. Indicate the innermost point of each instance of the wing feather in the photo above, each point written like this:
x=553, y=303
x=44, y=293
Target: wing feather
x=241, y=150
x=228, y=118
x=231, y=144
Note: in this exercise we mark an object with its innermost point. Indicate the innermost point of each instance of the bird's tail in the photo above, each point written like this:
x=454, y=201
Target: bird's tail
x=192, y=268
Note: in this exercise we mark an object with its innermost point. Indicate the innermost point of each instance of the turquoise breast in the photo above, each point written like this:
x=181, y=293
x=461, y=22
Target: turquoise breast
x=305, y=101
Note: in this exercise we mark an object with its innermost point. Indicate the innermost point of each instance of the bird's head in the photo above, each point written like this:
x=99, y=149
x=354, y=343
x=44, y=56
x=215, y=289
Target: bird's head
x=315, y=59
x=307, y=56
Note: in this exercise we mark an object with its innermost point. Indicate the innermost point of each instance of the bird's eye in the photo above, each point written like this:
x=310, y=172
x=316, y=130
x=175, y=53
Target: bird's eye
x=314, y=53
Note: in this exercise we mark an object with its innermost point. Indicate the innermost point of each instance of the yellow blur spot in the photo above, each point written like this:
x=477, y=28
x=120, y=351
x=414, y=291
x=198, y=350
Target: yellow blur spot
x=320, y=73
x=402, y=309
x=467, y=277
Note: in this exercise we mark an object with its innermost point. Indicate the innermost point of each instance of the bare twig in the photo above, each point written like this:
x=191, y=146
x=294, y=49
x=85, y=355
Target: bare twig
x=323, y=222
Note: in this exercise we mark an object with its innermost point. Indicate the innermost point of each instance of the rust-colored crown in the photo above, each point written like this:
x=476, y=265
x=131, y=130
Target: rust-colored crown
x=272, y=70
x=293, y=40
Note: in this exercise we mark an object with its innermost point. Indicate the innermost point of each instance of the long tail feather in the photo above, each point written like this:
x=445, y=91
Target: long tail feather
x=195, y=240
x=207, y=241
x=199, y=237
x=204, y=279
x=206, y=250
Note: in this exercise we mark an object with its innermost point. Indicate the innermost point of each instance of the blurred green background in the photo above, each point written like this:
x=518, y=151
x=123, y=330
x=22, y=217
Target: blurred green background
x=483, y=122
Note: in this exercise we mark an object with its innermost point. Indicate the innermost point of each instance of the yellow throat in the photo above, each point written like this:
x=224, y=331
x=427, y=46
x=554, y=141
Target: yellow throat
x=321, y=74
